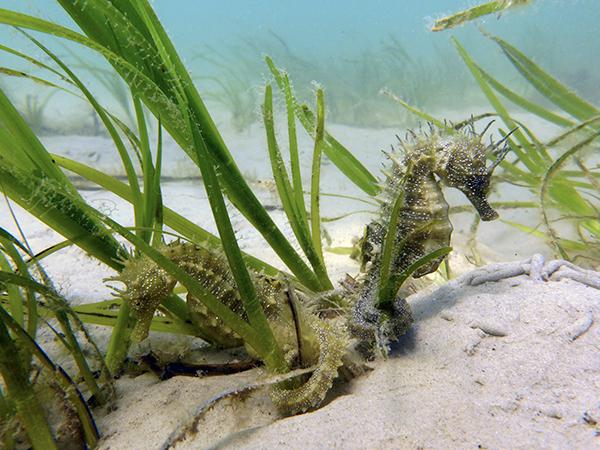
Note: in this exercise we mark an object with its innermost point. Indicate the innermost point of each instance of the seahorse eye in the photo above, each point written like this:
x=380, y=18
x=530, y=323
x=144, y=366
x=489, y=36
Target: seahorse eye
x=478, y=184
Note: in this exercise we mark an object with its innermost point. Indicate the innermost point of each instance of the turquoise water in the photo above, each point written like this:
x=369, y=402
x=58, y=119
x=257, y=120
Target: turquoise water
x=353, y=48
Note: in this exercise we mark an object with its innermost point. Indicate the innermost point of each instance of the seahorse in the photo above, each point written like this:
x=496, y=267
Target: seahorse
x=423, y=163
x=305, y=339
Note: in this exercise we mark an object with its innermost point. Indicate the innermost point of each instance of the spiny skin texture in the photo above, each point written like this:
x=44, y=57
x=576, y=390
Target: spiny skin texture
x=423, y=221
x=333, y=343
x=462, y=165
x=305, y=339
x=146, y=286
x=211, y=270
x=423, y=163
x=373, y=328
x=418, y=169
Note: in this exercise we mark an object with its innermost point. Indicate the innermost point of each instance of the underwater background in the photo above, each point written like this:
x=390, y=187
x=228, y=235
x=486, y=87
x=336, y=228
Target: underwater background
x=352, y=48
x=515, y=173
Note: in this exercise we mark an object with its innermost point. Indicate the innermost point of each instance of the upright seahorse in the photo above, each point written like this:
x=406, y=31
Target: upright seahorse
x=422, y=164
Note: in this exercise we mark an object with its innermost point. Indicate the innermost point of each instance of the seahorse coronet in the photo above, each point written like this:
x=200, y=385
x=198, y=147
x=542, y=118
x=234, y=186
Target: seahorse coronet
x=422, y=164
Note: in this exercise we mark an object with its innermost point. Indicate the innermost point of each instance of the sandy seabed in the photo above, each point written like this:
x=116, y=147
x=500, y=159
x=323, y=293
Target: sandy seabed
x=510, y=364
x=507, y=364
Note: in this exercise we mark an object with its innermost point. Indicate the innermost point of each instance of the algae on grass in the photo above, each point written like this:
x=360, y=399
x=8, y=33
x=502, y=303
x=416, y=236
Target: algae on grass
x=38, y=394
x=484, y=9
x=276, y=339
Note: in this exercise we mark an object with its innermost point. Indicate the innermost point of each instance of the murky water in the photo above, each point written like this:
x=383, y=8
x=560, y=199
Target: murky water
x=352, y=48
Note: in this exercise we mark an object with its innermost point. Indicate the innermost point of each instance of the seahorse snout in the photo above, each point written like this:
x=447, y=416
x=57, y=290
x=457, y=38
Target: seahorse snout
x=484, y=209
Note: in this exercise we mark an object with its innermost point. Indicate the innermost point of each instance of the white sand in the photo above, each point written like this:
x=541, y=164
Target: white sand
x=512, y=364
x=448, y=384
x=451, y=385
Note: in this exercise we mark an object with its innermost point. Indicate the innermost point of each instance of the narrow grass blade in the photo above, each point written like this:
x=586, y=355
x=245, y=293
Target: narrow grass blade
x=566, y=199
x=153, y=70
x=564, y=243
x=294, y=158
x=349, y=197
x=60, y=310
x=347, y=251
x=150, y=199
x=15, y=299
x=189, y=102
x=231, y=319
x=386, y=289
x=574, y=130
x=104, y=117
x=54, y=205
x=268, y=347
x=36, y=62
x=7, y=413
x=18, y=299
x=468, y=15
x=547, y=85
x=62, y=378
x=14, y=252
x=22, y=148
x=172, y=219
x=417, y=112
x=280, y=175
x=335, y=151
x=297, y=218
x=343, y=216
x=315, y=198
x=396, y=281
x=527, y=105
x=529, y=156
x=20, y=389
x=495, y=205
x=105, y=313
x=157, y=214
x=13, y=240
x=21, y=74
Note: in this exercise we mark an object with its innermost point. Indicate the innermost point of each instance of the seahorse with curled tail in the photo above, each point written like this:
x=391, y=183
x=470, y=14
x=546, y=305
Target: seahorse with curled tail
x=306, y=340
x=333, y=345
x=422, y=165
x=424, y=162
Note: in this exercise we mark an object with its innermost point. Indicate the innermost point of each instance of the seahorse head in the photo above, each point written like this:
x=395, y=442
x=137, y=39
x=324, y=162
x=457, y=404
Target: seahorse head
x=146, y=285
x=465, y=168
